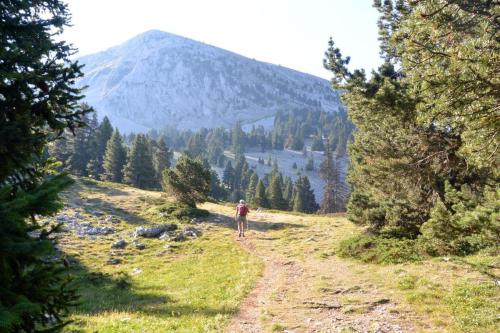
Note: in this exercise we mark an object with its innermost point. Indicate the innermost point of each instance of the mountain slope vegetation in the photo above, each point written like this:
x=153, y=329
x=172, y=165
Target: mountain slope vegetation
x=286, y=274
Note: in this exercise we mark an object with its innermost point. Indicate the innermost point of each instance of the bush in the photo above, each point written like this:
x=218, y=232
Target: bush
x=463, y=223
x=181, y=212
x=375, y=249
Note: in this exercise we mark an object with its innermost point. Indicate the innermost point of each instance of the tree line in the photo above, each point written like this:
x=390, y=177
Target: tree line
x=101, y=152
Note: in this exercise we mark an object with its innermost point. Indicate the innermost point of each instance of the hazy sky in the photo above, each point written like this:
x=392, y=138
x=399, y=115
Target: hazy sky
x=292, y=33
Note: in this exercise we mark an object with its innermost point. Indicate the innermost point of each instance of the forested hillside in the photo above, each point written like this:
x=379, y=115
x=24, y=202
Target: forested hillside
x=101, y=152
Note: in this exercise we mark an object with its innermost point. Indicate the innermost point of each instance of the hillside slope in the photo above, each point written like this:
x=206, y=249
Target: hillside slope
x=158, y=79
x=285, y=275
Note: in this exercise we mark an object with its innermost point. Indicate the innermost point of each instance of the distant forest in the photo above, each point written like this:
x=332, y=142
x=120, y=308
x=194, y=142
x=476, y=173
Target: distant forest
x=99, y=151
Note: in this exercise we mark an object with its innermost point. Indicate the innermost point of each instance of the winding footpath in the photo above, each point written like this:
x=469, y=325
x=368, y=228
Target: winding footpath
x=303, y=293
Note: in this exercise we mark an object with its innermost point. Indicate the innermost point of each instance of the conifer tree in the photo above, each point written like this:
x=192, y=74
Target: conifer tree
x=310, y=199
x=238, y=139
x=197, y=146
x=303, y=196
x=102, y=135
x=275, y=193
x=334, y=192
x=38, y=103
x=162, y=157
x=252, y=187
x=228, y=177
x=188, y=181
x=260, y=199
x=424, y=120
x=114, y=158
x=288, y=192
x=139, y=170
x=80, y=145
x=217, y=191
x=310, y=165
x=298, y=198
x=317, y=144
x=60, y=150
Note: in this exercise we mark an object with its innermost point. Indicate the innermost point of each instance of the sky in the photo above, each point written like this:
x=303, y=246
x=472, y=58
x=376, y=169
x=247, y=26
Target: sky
x=291, y=33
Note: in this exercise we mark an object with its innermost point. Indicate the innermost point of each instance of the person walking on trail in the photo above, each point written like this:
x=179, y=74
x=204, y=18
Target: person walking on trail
x=241, y=217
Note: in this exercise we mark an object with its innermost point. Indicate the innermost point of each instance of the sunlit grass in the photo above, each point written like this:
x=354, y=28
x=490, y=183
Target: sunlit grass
x=191, y=286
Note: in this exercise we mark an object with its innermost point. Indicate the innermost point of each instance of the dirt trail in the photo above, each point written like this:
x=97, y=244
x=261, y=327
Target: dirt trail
x=248, y=317
x=299, y=292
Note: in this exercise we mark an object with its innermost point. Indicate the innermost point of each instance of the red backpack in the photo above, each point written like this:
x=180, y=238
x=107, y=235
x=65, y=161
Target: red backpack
x=242, y=210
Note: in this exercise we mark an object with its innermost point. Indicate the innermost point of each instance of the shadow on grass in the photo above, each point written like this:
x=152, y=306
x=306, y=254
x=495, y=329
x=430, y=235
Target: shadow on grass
x=223, y=220
x=112, y=209
x=95, y=206
x=102, y=292
x=95, y=186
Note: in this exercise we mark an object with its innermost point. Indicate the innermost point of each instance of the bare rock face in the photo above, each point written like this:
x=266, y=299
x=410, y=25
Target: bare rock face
x=125, y=82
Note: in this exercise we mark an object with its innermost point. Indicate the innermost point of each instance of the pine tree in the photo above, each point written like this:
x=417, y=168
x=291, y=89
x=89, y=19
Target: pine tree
x=275, y=193
x=59, y=149
x=308, y=196
x=260, y=199
x=197, y=147
x=217, y=191
x=303, y=196
x=317, y=144
x=80, y=145
x=102, y=135
x=38, y=103
x=334, y=191
x=238, y=139
x=139, y=170
x=310, y=165
x=434, y=120
x=298, y=199
x=288, y=192
x=188, y=181
x=252, y=187
x=161, y=158
x=114, y=158
x=228, y=177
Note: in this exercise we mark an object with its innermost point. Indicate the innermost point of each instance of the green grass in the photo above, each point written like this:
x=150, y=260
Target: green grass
x=475, y=307
x=379, y=250
x=192, y=286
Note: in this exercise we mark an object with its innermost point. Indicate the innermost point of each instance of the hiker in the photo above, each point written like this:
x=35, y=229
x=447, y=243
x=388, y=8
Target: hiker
x=241, y=217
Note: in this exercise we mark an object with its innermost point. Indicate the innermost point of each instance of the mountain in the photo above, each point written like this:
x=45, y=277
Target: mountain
x=158, y=79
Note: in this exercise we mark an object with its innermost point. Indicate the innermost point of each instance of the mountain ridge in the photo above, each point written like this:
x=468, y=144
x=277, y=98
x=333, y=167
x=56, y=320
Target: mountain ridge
x=158, y=79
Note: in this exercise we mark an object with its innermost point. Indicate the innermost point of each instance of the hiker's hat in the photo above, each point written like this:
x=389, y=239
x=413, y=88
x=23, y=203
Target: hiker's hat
x=242, y=202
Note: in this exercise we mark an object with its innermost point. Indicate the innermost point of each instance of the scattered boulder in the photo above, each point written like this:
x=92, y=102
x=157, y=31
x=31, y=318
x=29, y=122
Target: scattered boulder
x=81, y=228
x=140, y=246
x=78, y=216
x=136, y=271
x=155, y=231
x=96, y=231
x=164, y=236
x=121, y=244
x=180, y=237
x=191, y=232
x=188, y=232
x=110, y=219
